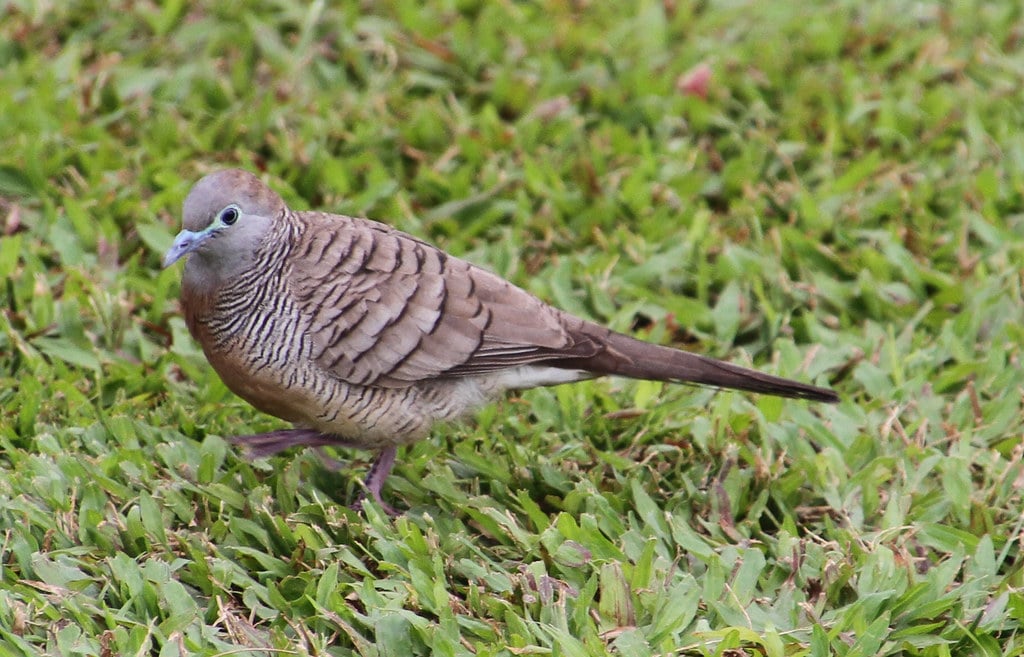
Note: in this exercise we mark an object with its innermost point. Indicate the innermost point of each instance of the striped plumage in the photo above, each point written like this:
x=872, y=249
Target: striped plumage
x=364, y=336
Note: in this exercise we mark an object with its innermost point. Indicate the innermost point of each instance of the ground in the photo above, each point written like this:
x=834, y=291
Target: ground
x=831, y=191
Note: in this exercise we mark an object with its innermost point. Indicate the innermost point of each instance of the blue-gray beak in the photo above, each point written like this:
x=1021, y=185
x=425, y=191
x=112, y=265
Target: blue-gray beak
x=184, y=243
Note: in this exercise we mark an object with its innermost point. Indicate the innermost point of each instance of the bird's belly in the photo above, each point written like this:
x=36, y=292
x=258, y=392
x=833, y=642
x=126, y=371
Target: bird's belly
x=368, y=416
x=262, y=388
x=381, y=416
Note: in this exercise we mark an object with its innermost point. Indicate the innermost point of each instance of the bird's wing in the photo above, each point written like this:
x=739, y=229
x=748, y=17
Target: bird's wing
x=387, y=309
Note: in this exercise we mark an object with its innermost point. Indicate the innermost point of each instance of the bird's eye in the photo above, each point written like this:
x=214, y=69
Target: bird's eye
x=229, y=215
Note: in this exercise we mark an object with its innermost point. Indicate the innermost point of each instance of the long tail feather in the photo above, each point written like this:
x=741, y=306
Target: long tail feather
x=626, y=356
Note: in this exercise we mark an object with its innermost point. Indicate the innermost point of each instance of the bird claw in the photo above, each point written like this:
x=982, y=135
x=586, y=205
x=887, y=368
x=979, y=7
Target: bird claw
x=329, y=461
x=379, y=471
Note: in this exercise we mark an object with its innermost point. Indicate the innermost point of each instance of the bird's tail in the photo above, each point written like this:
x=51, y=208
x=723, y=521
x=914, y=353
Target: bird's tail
x=626, y=356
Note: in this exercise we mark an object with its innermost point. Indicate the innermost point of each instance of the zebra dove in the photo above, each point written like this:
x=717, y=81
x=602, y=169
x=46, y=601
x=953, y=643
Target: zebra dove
x=363, y=336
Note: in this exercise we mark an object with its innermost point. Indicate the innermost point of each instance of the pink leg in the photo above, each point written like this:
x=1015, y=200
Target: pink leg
x=379, y=471
x=260, y=445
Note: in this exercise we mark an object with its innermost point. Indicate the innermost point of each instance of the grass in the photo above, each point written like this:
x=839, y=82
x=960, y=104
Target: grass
x=846, y=206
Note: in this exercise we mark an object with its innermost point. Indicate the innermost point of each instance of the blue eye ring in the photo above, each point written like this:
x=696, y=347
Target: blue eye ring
x=229, y=215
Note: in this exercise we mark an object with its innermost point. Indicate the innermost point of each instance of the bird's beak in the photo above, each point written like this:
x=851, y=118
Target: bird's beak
x=186, y=242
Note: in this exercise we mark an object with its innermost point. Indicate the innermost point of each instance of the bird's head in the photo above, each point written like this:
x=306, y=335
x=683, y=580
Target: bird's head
x=225, y=218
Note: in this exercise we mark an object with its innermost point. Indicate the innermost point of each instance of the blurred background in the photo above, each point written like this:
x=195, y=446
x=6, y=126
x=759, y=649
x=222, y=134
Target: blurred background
x=830, y=191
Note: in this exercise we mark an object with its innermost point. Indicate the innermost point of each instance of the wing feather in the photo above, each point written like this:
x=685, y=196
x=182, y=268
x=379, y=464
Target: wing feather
x=387, y=309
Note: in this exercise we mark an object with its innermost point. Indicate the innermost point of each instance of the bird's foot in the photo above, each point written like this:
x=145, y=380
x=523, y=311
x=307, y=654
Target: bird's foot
x=260, y=445
x=329, y=461
x=379, y=471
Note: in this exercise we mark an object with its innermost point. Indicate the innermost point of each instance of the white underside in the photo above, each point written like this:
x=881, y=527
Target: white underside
x=466, y=394
x=532, y=376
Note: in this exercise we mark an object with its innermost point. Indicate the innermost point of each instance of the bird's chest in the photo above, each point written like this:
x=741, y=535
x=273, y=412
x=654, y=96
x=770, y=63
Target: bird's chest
x=253, y=341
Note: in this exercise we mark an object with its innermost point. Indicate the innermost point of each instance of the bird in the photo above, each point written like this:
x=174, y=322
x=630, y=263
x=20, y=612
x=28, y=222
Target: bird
x=363, y=336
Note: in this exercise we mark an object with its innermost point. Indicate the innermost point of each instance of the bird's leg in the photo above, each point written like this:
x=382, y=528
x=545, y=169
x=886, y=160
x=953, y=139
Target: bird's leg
x=379, y=471
x=260, y=445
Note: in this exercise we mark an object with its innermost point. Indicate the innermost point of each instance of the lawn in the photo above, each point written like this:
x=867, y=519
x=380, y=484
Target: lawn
x=831, y=191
